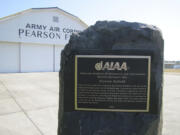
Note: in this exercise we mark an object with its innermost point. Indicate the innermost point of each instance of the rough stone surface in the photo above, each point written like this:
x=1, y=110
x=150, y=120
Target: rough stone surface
x=104, y=36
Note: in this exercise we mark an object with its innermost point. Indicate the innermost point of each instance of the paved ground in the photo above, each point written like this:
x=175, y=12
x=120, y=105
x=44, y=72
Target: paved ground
x=171, y=104
x=29, y=104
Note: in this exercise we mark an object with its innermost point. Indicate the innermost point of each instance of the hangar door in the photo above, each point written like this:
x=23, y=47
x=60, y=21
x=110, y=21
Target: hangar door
x=36, y=58
x=57, y=54
x=9, y=58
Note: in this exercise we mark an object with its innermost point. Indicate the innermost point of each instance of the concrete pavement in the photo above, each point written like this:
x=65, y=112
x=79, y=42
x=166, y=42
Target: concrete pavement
x=29, y=104
x=171, y=105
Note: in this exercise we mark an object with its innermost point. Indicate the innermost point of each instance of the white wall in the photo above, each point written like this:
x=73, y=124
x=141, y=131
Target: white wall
x=36, y=58
x=20, y=28
x=32, y=42
x=9, y=58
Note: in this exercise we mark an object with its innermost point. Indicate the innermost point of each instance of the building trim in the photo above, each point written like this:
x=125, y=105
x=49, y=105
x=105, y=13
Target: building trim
x=48, y=8
x=54, y=59
x=30, y=43
x=20, y=58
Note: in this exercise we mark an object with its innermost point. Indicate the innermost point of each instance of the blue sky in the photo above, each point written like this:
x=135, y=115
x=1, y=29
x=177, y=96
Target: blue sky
x=163, y=13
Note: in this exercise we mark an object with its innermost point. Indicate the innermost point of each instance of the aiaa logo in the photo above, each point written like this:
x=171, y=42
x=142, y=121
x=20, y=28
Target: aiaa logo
x=110, y=66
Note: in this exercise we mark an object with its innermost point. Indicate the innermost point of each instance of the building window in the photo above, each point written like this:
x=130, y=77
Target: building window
x=55, y=19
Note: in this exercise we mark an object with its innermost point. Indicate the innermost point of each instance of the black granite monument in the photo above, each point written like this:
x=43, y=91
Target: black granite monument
x=111, y=81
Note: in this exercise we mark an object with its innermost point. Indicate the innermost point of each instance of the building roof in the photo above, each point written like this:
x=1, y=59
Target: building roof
x=55, y=8
x=46, y=8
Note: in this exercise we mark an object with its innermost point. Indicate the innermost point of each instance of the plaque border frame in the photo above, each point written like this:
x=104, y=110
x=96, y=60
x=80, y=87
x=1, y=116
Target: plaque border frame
x=114, y=56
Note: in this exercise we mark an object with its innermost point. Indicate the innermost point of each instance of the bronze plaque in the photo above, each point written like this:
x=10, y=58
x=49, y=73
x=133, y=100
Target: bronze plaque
x=112, y=83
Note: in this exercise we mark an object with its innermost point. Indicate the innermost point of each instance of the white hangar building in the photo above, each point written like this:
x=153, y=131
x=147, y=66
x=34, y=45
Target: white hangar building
x=31, y=40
